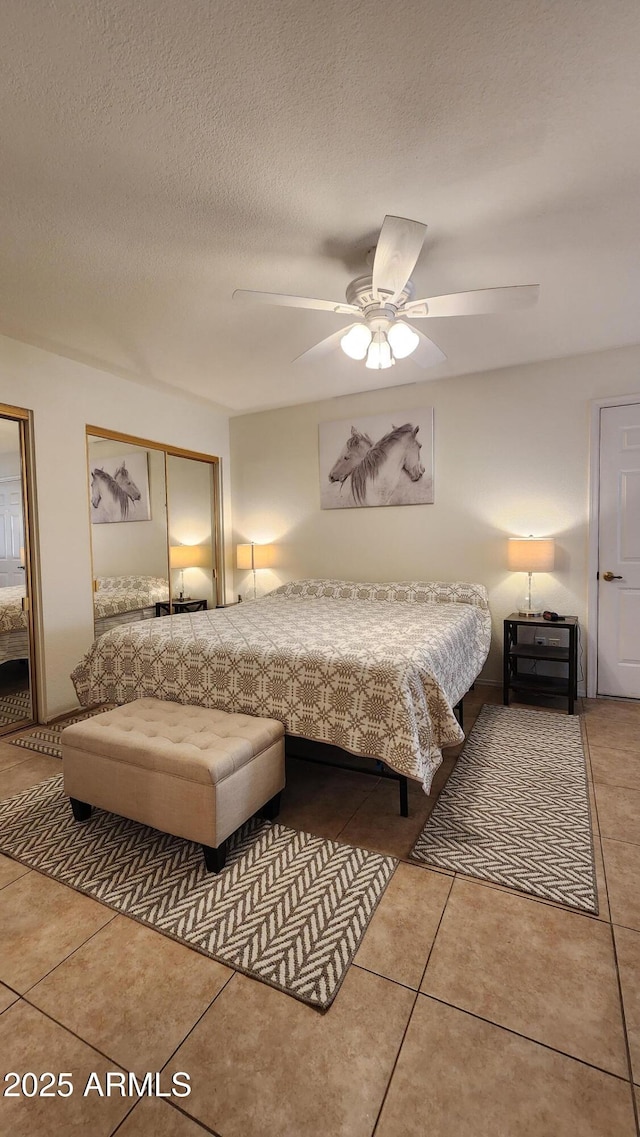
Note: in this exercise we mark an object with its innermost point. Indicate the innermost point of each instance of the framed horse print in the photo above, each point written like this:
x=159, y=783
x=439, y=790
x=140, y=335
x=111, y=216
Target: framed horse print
x=377, y=460
x=119, y=489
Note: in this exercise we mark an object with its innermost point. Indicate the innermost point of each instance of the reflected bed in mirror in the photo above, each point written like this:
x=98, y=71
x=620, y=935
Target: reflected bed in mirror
x=15, y=697
x=14, y=637
x=124, y=599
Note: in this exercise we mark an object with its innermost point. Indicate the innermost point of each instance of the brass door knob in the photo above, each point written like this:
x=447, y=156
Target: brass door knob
x=610, y=576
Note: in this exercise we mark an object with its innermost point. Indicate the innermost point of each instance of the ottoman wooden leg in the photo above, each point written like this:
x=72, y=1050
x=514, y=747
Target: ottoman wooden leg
x=215, y=859
x=81, y=809
x=271, y=810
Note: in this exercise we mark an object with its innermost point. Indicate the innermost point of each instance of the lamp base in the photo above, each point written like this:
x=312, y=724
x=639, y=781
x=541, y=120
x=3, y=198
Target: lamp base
x=530, y=605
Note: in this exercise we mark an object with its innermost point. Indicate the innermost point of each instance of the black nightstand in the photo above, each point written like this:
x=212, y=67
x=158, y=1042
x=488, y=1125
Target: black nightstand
x=164, y=607
x=564, y=686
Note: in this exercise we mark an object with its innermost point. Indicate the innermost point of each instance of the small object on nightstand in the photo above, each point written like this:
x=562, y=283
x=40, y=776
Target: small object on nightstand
x=564, y=686
x=176, y=607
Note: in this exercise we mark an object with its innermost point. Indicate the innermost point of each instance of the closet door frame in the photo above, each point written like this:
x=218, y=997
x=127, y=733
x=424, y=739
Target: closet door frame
x=177, y=452
x=24, y=420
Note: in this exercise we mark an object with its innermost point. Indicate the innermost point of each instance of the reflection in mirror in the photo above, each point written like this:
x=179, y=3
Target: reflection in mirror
x=192, y=530
x=15, y=665
x=128, y=531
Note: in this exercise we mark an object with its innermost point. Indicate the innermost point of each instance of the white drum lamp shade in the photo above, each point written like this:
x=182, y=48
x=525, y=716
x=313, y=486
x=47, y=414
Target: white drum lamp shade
x=252, y=557
x=189, y=556
x=531, y=554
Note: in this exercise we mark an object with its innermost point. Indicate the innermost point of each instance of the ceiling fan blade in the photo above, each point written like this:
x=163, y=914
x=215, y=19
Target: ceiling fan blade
x=397, y=251
x=480, y=302
x=324, y=347
x=341, y=308
x=427, y=353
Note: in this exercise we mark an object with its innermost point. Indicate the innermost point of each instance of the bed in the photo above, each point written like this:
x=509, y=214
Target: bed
x=14, y=635
x=126, y=599
x=374, y=669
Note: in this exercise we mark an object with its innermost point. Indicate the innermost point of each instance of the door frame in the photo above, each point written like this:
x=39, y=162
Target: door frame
x=24, y=420
x=597, y=405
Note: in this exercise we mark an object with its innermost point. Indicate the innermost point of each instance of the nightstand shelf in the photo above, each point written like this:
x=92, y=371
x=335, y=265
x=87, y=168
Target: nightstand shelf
x=540, y=651
x=563, y=686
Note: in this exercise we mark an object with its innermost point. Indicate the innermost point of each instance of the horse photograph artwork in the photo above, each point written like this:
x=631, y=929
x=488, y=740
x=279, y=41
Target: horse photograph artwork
x=377, y=460
x=119, y=489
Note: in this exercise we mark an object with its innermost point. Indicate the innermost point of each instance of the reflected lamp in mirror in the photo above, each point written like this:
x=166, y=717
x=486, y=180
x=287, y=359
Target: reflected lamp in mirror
x=188, y=556
x=252, y=557
x=530, y=554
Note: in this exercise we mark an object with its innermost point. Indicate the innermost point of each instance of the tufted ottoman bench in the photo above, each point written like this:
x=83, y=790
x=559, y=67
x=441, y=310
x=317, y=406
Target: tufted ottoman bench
x=189, y=771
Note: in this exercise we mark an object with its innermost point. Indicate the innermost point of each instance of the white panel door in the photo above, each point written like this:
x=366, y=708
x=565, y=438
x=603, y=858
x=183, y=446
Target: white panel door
x=619, y=552
x=11, y=532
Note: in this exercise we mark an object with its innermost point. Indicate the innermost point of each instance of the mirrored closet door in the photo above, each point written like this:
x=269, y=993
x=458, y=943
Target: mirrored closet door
x=128, y=511
x=154, y=529
x=192, y=530
x=17, y=687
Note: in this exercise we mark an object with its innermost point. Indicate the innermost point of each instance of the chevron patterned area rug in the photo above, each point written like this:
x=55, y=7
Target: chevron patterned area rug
x=15, y=707
x=289, y=909
x=516, y=808
x=46, y=739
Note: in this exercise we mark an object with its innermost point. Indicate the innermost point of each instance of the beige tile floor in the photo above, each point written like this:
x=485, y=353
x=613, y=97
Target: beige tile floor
x=470, y=1009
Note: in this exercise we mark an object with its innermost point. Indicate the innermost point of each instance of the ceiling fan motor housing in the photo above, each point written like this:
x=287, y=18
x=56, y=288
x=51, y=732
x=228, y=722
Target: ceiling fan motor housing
x=360, y=292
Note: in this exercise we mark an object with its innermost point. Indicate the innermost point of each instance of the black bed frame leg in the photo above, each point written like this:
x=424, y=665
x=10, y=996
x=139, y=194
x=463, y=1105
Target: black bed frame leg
x=81, y=809
x=404, y=796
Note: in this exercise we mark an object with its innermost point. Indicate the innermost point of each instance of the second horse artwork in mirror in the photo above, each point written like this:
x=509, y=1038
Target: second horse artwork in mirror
x=377, y=460
x=120, y=489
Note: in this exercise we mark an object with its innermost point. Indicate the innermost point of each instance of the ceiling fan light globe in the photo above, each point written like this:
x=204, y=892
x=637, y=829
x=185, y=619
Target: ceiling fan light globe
x=379, y=355
x=356, y=342
x=403, y=339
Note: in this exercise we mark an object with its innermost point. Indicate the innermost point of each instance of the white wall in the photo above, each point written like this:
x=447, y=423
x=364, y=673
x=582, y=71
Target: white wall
x=65, y=396
x=511, y=458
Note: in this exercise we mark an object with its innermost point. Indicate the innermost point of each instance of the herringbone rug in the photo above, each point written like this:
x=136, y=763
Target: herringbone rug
x=516, y=808
x=289, y=909
x=15, y=707
x=46, y=739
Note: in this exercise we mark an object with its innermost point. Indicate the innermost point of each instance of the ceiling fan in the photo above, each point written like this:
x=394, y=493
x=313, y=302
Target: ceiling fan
x=384, y=300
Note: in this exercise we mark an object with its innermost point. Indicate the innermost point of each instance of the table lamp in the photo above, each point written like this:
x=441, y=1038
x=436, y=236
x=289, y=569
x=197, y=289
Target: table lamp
x=188, y=556
x=530, y=554
x=252, y=557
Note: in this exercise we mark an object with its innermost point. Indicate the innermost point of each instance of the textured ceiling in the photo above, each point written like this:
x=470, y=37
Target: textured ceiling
x=157, y=155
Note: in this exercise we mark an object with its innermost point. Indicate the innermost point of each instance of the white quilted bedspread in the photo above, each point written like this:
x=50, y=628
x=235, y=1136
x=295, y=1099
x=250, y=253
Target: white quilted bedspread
x=128, y=593
x=12, y=618
x=374, y=669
